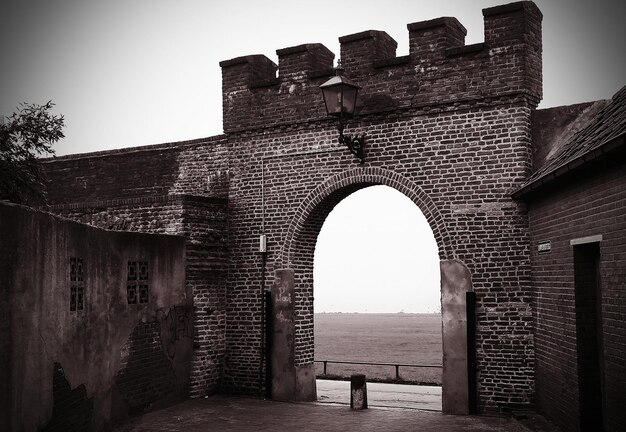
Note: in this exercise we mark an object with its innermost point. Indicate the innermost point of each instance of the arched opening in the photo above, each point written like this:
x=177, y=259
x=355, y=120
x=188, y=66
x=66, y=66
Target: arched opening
x=377, y=300
x=376, y=240
x=292, y=319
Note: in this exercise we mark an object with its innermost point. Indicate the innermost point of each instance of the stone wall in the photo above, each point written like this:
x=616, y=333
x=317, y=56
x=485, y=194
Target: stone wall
x=91, y=313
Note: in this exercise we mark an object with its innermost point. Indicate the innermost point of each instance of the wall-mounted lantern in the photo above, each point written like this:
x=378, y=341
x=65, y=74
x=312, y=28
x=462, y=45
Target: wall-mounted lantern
x=340, y=99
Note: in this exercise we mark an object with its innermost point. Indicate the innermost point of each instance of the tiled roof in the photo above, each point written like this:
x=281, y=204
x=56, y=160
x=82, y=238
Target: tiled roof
x=608, y=124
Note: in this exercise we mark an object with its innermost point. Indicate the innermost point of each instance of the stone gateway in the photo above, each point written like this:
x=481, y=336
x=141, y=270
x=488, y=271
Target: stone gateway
x=453, y=127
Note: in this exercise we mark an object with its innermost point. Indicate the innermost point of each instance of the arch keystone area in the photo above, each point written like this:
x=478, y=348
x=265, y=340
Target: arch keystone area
x=358, y=177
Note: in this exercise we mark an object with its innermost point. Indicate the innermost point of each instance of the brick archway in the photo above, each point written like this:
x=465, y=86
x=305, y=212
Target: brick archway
x=319, y=202
x=293, y=288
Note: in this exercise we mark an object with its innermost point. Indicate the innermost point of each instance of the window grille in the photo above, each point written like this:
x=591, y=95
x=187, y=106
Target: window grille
x=137, y=282
x=77, y=285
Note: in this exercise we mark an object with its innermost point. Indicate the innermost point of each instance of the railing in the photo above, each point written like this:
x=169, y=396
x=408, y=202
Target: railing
x=396, y=365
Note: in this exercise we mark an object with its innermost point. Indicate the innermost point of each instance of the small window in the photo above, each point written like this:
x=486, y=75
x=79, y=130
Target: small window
x=137, y=282
x=77, y=285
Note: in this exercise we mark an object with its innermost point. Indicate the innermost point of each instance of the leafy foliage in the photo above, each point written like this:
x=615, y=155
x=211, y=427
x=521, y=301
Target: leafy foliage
x=27, y=134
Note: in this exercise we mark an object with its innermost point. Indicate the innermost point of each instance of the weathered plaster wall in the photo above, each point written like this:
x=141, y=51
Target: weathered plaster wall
x=87, y=356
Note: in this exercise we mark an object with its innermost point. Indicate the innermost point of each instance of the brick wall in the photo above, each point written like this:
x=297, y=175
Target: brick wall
x=588, y=204
x=140, y=172
x=113, y=174
x=72, y=410
x=439, y=68
x=458, y=165
x=448, y=125
x=145, y=190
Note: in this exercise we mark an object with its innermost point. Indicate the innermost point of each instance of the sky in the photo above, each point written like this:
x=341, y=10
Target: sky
x=134, y=72
x=384, y=260
x=128, y=73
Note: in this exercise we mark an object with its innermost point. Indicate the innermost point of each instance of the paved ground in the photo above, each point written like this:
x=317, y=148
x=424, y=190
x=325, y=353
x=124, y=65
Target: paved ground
x=383, y=395
x=240, y=414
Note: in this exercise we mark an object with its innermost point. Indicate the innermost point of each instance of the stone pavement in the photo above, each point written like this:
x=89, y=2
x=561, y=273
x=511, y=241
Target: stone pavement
x=241, y=414
x=383, y=395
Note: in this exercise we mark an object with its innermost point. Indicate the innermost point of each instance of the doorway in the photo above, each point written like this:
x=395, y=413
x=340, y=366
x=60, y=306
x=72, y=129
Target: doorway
x=378, y=301
x=588, y=303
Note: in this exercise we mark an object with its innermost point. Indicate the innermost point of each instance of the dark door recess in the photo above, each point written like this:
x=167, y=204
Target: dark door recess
x=589, y=336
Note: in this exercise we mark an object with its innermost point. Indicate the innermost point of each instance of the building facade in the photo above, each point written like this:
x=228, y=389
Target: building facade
x=577, y=211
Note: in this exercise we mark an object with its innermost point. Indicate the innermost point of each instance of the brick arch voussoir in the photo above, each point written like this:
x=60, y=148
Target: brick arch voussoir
x=365, y=175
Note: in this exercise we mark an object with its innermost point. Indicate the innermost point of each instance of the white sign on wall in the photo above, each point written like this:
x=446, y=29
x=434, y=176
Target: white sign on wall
x=544, y=247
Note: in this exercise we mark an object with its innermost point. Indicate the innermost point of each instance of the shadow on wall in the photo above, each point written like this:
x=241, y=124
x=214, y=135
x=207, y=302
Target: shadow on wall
x=146, y=375
x=150, y=375
x=72, y=408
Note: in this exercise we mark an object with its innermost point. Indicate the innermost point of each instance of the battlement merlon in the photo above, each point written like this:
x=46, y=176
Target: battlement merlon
x=440, y=68
x=242, y=72
x=296, y=63
x=429, y=40
x=360, y=51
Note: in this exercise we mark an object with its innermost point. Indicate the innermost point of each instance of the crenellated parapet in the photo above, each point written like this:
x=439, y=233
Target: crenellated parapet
x=439, y=69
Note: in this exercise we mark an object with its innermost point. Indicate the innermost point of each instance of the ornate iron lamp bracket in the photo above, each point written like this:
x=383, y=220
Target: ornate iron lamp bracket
x=356, y=144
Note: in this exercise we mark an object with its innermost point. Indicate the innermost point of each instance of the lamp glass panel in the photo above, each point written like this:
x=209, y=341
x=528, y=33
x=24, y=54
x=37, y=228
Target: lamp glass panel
x=349, y=99
x=332, y=99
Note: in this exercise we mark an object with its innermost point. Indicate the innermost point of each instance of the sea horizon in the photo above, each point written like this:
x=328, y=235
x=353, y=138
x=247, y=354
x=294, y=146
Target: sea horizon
x=377, y=313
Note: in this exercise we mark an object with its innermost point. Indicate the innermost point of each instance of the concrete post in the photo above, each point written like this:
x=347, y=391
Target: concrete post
x=358, y=392
x=290, y=382
x=455, y=282
x=283, y=337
